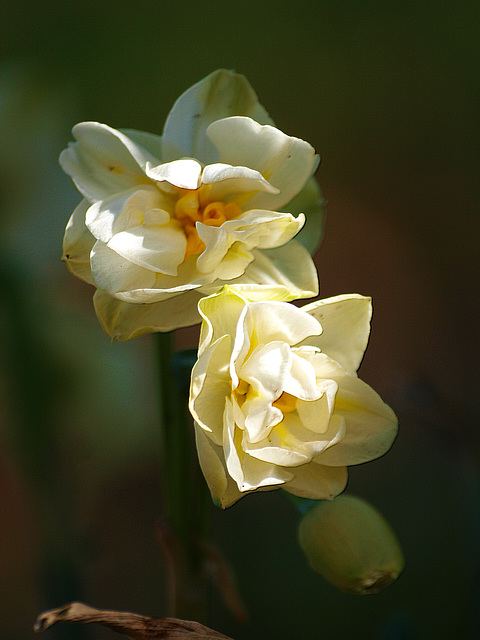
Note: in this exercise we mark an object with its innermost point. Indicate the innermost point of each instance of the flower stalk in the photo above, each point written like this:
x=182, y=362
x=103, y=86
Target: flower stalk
x=186, y=496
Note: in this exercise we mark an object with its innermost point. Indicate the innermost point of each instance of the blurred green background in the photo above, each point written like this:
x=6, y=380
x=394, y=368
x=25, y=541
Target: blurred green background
x=388, y=95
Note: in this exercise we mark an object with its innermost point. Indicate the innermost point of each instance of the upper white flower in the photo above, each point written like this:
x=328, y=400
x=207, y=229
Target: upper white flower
x=276, y=399
x=178, y=216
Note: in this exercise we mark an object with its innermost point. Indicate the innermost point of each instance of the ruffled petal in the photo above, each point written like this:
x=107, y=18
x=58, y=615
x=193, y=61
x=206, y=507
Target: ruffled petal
x=104, y=161
x=77, y=244
x=221, y=94
x=210, y=386
x=124, y=321
x=346, y=328
x=159, y=248
x=123, y=211
x=113, y=273
x=220, y=313
x=285, y=162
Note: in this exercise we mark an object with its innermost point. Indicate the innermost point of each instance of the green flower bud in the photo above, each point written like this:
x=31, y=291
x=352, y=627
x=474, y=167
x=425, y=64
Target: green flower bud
x=350, y=544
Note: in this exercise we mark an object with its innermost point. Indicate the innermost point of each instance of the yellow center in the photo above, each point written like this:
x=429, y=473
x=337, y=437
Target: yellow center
x=189, y=209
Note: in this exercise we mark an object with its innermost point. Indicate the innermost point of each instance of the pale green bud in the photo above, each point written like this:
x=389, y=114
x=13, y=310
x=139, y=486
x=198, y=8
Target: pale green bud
x=351, y=544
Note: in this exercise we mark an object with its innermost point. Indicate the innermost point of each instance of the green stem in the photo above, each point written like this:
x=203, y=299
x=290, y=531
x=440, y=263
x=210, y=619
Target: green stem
x=187, y=500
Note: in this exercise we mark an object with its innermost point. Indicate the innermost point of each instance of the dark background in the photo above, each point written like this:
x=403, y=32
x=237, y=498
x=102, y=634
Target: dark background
x=387, y=93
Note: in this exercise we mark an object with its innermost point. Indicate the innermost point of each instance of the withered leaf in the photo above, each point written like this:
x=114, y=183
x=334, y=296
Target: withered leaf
x=133, y=625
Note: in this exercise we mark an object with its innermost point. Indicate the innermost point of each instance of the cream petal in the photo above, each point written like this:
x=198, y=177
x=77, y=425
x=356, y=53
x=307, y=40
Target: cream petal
x=311, y=203
x=263, y=229
x=274, y=321
x=301, y=380
x=317, y=482
x=220, y=313
x=183, y=174
x=212, y=462
x=112, y=273
x=210, y=386
x=223, y=93
x=346, y=327
x=289, y=271
x=371, y=426
x=284, y=161
x=122, y=211
x=77, y=244
x=104, y=161
x=159, y=248
x=124, y=321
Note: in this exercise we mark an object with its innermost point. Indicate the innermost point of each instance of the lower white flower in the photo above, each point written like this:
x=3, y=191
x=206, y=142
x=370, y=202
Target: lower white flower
x=276, y=399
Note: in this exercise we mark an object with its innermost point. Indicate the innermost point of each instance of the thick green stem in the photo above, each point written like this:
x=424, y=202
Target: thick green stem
x=187, y=500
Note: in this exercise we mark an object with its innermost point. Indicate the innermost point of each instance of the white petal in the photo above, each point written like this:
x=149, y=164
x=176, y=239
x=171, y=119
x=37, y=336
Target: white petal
x=285, y=162
x=263, y=229
x=265, y=371
x=113, y=273
x=183, y=174
x=77, y=244
x=221, y=94
x=282, y=321
x=301, y=380
x=124, y=321
x=371, y=426
x=159, y=248
x=104, y=161
x=317, y=482
x=225, y=179
x=122, y=211
x=346, y=327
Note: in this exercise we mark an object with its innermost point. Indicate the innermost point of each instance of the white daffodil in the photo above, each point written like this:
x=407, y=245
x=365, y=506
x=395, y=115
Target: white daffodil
x=166, y=221
x=276, y=399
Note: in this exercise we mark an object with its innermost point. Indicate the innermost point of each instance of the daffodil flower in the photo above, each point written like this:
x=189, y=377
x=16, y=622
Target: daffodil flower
x=167, y=220
x=276, y=399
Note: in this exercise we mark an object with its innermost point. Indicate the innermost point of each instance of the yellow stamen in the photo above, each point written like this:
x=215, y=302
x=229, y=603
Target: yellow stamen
x=189, y=211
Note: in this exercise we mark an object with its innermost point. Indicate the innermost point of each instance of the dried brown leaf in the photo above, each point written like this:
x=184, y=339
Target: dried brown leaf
x=133, y=625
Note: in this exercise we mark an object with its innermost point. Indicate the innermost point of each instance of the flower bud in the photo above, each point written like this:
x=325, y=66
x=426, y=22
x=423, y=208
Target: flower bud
x=351, y=545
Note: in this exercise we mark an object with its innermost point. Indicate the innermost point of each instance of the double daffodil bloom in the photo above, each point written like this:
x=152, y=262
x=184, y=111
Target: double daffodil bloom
x=276, y=399
x=166, y=221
